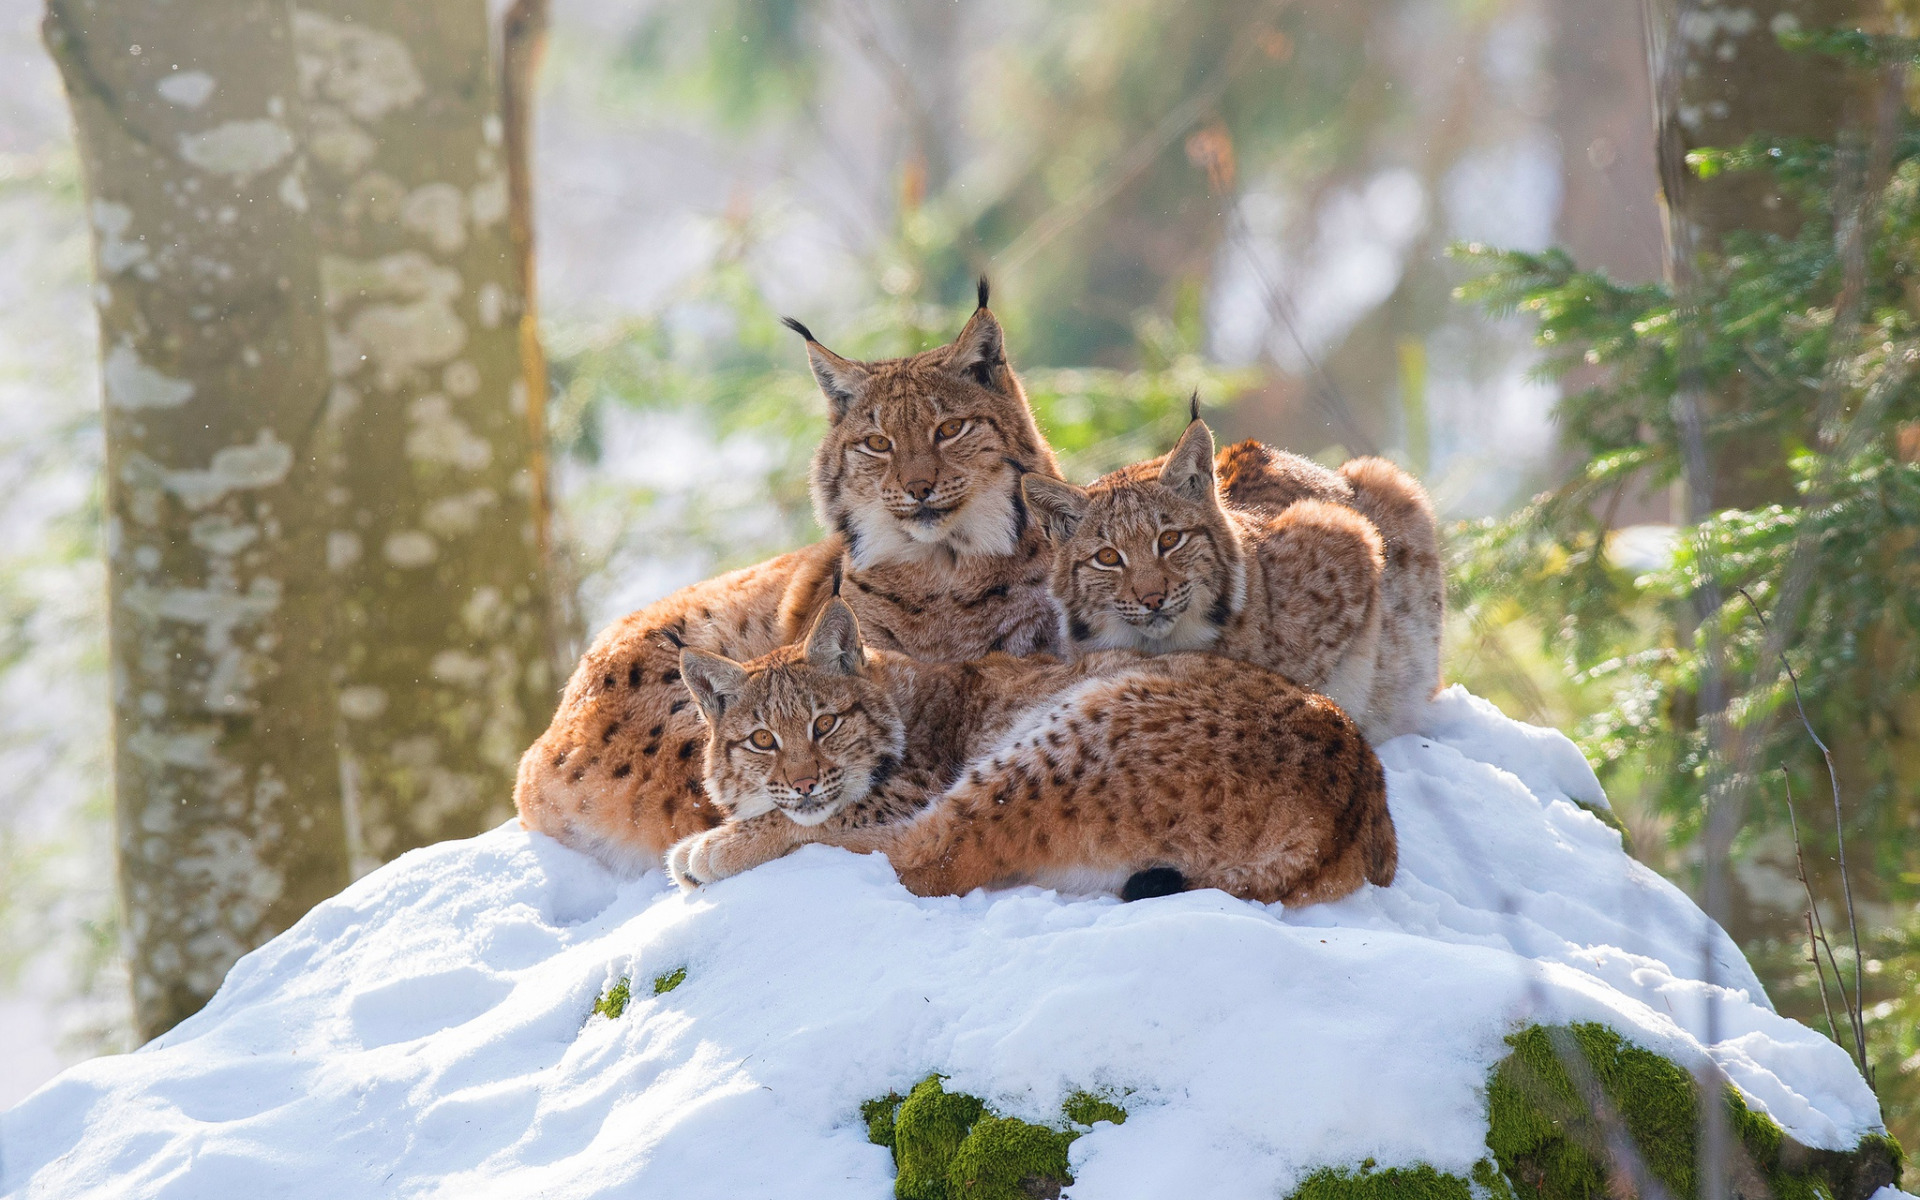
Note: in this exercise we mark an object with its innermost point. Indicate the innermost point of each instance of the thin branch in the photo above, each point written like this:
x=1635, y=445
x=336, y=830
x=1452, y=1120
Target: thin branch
x=1815, y=936
x=1855, y=1015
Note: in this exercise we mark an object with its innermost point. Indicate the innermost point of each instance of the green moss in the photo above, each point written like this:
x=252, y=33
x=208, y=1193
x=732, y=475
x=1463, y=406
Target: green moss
x=1567, y=1095
x=1084, y=1108
x=1419, y=1182
x=927, y=1133
x=662, y=984
x=950, y=1146
x=613, y=1001
x=1558, y=1108
x=879, y=1115
x=1611, y=820
x=1007, y=1159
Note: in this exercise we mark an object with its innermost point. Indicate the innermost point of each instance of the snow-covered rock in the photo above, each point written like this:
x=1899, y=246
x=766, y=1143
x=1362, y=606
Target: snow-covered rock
x=430, y=1031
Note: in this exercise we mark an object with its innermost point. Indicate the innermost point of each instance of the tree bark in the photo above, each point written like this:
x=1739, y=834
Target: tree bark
x=1720, y=77
x=213, y=338
x=444, y=669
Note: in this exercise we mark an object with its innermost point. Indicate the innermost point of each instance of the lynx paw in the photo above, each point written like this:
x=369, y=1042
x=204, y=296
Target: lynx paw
x=701, y=858
x=680, y=863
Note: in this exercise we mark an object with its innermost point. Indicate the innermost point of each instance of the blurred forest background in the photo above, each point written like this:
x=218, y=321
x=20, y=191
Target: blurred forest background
x=1424, y=228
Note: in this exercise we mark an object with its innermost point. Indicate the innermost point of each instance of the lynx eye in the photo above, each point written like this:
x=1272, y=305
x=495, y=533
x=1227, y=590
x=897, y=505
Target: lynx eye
x=877, y=443
x=824, y=724
x=761, y=740
x=950, y=429
x=1171, y=539
x=1108, y=557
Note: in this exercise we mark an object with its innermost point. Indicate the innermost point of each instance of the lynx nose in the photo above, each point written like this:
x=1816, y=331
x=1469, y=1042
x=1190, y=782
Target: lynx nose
x=805, y=786
x=919, y=489
x=1153, y=600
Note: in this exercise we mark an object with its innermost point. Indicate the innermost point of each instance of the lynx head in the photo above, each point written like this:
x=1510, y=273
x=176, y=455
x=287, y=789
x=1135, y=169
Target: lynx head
x=924, y=458
x=803, y=729
x=1144, y=561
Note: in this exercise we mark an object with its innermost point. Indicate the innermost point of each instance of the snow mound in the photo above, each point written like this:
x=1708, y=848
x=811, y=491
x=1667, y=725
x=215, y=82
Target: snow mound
x=430, y=1031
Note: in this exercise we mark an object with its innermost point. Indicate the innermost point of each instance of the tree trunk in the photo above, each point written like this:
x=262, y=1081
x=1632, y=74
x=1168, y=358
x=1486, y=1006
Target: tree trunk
x=444, y=669
x=214, y=345
x=1720, y=77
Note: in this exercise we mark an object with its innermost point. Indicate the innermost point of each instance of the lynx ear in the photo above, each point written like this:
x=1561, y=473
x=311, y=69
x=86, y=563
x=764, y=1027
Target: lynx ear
x=1189, y=467
x=980, y=352
x=1059, y=504
x=834, y=645
x=714, y=681
x=841, y=380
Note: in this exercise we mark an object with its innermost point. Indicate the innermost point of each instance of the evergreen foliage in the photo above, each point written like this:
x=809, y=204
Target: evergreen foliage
x=1805, y=348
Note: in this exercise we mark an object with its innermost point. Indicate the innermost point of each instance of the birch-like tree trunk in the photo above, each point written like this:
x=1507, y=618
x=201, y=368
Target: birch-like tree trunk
x=444, y=671
x=213, y=341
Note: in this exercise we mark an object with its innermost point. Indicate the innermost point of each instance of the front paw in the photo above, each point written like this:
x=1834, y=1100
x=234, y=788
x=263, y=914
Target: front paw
x=680, y=863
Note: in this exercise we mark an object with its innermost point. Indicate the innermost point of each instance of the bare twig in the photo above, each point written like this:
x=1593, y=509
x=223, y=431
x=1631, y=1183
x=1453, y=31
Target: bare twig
x=1816, y=928
x=1855, y=1016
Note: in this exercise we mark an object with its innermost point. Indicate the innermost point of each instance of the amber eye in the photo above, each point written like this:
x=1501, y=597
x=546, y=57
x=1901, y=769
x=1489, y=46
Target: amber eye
x=1108, y=557
x=1171, y=538
x=878, y=443
x=761, y=740
x=950, y=429
x=824, y=723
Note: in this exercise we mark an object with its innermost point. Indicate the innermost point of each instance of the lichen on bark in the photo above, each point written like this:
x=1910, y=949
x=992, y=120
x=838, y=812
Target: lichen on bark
x=214, y=353
x=445, y=665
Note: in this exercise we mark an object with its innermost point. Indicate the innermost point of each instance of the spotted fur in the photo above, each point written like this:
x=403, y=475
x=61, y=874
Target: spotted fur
x=1263, y=556
x=1008, y=771
x=932, y=547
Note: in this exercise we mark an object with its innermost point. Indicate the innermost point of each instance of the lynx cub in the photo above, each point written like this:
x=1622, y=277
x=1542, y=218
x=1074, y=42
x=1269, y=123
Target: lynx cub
x=1008, y=771
x=1286, y=570
x=919, y=475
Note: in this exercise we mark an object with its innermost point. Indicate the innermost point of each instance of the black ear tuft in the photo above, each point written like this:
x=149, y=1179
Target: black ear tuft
x=983, y=292
x=838, y=575
x=798, y=328
x=1193, y=407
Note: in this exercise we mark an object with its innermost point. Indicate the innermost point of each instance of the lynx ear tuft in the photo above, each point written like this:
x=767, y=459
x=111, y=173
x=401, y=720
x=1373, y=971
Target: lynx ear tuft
x=714, y=681
x=834, y=645
x=841, y=380
x=983, y=292
x=980, y=352
x=1189, y=466
x=1059, y=504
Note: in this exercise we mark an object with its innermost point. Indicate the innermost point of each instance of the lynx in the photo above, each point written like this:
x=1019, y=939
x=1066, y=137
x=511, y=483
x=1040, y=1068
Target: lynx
x=1186, y=767
x=919, y=478
x=1263, y=557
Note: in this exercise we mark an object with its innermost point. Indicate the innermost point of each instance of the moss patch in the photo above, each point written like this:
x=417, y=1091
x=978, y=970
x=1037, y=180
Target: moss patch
x=1560, y=1109
x=1568, y=1096
x=662, y=984
x=613, y=1001
x=949, y=1145
x=1420, y=1182
x=1611, y=820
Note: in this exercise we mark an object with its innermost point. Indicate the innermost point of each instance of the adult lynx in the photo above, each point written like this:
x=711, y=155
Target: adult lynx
x=1007, y=771
x=919, y=477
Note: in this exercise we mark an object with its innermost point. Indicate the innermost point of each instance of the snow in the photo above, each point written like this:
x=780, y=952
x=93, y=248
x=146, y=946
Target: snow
x=429, y=1031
